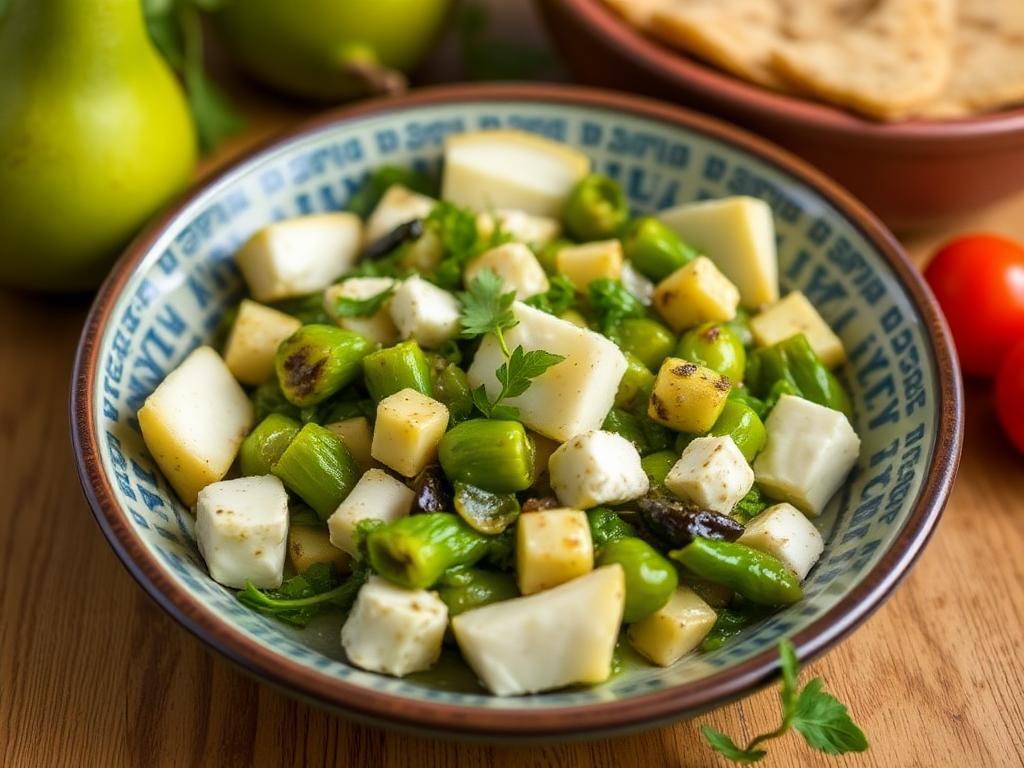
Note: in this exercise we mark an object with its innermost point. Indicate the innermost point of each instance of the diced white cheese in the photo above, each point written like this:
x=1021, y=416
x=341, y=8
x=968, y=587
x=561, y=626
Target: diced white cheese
x=570, y=397
x=378, y=327
x=407, y=431
x=397, y=206
x=195, y=421
x=548, y=640
x=424, y=312
x=810, y=451
x=515, y=265
x=784, y=532
x=393, y=630
x=255, y=336
x=376, y=496
x=583, y=264
x=242, y=530
x=738, y=234
x=711, y=473
x=792, y=315
x=674, y=630
x=595, y=468
x=552, y=547
x=302, y=255
x=510, y=169
x=534, y=231
x=637, y=283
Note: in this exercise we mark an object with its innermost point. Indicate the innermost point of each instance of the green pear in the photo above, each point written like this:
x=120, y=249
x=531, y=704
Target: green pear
x=330, y=50
x=95, y=135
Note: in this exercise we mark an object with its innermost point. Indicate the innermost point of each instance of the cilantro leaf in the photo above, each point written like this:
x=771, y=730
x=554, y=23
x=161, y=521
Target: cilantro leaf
x=825, y=723
x=522, y=367
x=559, y=296
x=612, y=303
x=728, y=749
x=485, y=308
x=348, y=307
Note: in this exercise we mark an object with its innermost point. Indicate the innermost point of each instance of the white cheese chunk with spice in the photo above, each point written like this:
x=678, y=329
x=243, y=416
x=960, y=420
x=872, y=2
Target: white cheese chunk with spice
x=711, y=473
x=378, y=326
x=377, y=496
x=674, y=630
x=424, y=312
x=792, y=315
x=516, y=267
x=399, y=205
x=595, y=468
x=785, y=533
x=255, y=336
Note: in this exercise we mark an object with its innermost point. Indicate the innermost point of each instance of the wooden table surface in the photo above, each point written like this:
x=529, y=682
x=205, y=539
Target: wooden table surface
x=92, y=673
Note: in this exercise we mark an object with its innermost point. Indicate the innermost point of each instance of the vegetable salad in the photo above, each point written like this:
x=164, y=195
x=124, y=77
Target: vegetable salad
x=508, y=415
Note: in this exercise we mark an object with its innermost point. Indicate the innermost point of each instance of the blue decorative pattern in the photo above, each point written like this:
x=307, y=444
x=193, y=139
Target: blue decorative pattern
x=176, y=297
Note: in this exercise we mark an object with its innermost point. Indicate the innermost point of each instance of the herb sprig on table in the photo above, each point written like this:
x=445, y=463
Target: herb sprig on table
x=817, y=715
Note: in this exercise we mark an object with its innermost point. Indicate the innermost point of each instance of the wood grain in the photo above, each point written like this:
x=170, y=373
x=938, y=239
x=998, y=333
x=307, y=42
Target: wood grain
x=92, y=673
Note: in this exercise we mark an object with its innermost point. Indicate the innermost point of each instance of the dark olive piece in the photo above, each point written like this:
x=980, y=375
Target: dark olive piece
x=403, y=233
x=433, y=491
x=677, y=523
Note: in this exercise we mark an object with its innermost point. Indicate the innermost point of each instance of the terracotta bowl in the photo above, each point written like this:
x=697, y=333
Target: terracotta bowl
x=169, y=291
x=912, y=174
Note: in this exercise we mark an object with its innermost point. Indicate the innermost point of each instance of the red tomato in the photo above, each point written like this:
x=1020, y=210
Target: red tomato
x=979, y=282
x=1010, y=395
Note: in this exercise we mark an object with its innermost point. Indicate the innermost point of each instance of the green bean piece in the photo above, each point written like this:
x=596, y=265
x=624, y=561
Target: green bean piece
x=742, y=395
x=597, y=209
x=628, y=426
x=318, y=360
x=757, y=576
x=682, y=439
x=765, y=367
x=485, y=512
x=650, y=578
x=648, y=340
x=317, y=467
x=491, y=454
x=263, y=446
x=812, y=377
x=655, y=249
x=635, y=380
x=740, y=325
x=415, y=551
x=715, y=346
x=744, y=426
x=451, y=387
x=268, y=398
x=393, y=369
x=607, y=526
x=658, y=465
x=463, y=588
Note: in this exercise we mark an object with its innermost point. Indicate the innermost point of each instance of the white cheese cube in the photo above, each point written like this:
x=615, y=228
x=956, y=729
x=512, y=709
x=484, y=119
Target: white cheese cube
x=785, y=533
x=377, y=496
x=793, y=315
x=358, y=438
x=378, y=327
x=548, y=640
x=254, y=339
x=810, y=451
x=552, y=547
x=242, y=530
x=517, y=267
x=195, y=421
x=583, y=264
x=674, y=630
x=738, y=234
x=297, y=256
x=695, y=294
x=595, y=468
x=424, y=312
x=510, y=169
x=393, y=630
x=637, y=284
x=309, y=545
x=408, y=429
x=534, y=231
x=711, y=473
x=570, y=397
x=397, y=206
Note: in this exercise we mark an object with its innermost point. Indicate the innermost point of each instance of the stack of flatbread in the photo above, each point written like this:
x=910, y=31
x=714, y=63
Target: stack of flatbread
x=885, y=59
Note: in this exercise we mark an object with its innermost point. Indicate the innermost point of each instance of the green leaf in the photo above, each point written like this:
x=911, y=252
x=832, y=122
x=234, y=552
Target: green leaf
x=522, y=367
x=348, y=307
x=302, y=597
x=485, y=308
x=825, y=723
x=728, y=749
x=365, y=199
x=482, y=401
x=790, y=671
x=612, y=303
x=559, y=296
x=215, y=117
x=751, y=505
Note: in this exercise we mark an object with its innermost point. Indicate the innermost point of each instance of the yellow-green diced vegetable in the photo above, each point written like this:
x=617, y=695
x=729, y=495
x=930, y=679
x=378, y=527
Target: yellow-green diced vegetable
x=393, y=369
x=648, y=340
x=490, y=454
x=317, y=361
x=318, y=468
x=264, y=445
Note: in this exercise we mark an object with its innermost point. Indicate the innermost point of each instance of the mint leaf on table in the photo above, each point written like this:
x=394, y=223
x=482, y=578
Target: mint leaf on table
x=368, y=307
x=818, y=716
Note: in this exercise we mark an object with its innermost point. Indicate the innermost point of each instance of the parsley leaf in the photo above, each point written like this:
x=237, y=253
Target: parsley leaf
x=516, y=373
x=302, y=597
x=486, y=309
x=818, y=716
x=612, y=303
x=751, y=505
x=559, y=296
x=348, y=307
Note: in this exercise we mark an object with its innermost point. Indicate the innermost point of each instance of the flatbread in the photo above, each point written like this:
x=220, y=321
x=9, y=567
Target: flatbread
x=637, y=12
x=820, y=19
x=739, y=36
x=889, y=65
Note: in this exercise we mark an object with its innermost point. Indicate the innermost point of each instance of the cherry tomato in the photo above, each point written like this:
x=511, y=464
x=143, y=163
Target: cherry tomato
x=1010, y=395
x=979, y=282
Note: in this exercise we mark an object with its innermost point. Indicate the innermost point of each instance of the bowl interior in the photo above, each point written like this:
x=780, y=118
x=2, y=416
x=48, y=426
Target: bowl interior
x=173, y=297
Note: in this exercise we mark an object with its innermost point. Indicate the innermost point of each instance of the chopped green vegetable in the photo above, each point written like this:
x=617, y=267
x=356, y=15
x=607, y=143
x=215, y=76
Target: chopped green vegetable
x=485, y=511
x=464, y=588
x=611, y=303
x=628, y=426
x=262, y=447
x=486, y=307
x=656, y=250
x=451, y=387
x=658, y=465
x=559, y=297
x=597, y=209
x=302, y=597
x=308, y=309
x=757, y=576
x=496, y=455
x=317, y=467
x=648, y=339
x=392, y=369
x=792, y=367
x=650, y=578
x=414, y=551
x=606, y=526
x=751, y=505
x=636, y=381
x=715, y=346
x=743, y=425
x=460, y=239
x=268, y=398
x=317, y=361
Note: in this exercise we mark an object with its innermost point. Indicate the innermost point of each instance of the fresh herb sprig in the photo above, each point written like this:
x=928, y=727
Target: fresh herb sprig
x=302, y=597
x=461, y=242
x=486, y=309
x=368, y=307
x=612, y=303
x=560, y=296
x=818, y=716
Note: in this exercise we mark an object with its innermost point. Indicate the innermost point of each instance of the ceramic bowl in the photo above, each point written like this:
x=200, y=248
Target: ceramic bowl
x=912, y=174
x=168, y=292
